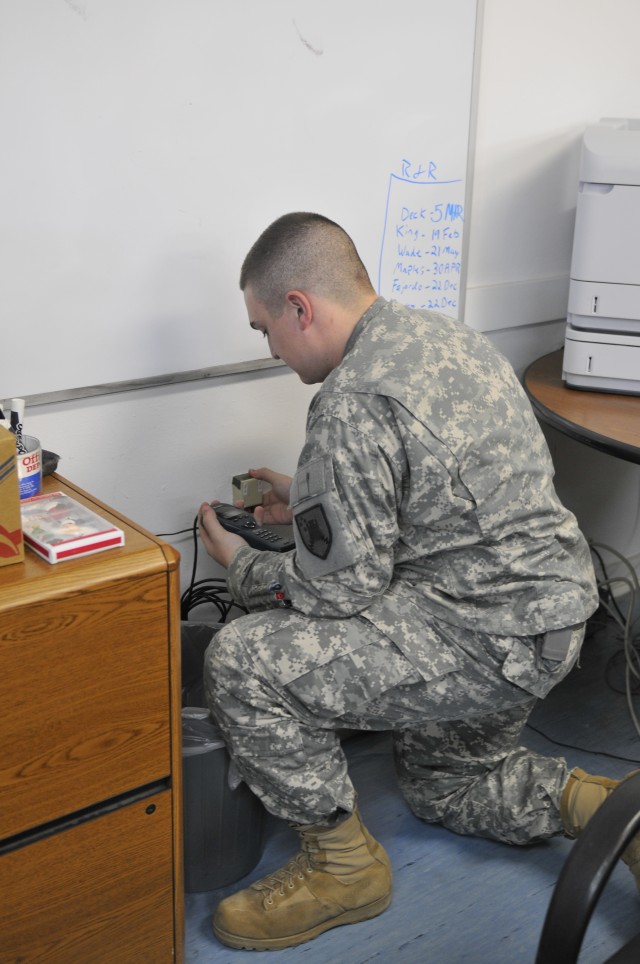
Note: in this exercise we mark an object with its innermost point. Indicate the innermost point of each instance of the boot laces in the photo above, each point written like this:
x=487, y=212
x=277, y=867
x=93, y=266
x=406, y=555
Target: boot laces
x=296, y=869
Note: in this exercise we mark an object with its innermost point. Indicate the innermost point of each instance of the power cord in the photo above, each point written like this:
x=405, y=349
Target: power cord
x=625, y=622
x=628, y=653
x=212, y=591
x=582, y=749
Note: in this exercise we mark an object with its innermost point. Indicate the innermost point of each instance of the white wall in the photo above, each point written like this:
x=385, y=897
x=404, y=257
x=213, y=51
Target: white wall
x=156, y=454
x=548, y=69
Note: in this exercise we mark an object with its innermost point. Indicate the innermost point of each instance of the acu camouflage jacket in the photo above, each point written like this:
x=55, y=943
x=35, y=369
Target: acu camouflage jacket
x=424, y=487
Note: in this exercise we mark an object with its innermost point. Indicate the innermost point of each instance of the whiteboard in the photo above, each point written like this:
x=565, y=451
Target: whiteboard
x=147, y=143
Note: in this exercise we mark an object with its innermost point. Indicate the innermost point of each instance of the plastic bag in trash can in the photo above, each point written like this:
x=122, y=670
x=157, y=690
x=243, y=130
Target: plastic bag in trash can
x=201, y=735
x=194, y=639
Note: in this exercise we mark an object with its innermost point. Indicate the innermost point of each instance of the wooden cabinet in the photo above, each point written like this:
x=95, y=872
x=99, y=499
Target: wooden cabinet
x=90, y=754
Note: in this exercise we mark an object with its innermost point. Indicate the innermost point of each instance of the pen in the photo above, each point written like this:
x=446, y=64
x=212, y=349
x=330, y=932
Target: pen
x=17, y=417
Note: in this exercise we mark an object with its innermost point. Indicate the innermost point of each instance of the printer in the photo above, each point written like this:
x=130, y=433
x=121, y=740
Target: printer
x=602, y=336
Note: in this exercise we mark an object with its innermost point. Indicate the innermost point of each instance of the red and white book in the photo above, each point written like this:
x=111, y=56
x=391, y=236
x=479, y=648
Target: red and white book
x=58, y=527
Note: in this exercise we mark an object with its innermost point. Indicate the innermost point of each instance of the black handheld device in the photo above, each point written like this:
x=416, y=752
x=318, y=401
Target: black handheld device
x=243, y=524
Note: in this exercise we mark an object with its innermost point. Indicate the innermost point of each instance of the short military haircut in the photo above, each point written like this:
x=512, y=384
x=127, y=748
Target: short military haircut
x=307, y=252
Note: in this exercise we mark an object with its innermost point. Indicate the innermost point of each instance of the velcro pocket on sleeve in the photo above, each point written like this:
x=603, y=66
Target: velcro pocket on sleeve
x=325, y=542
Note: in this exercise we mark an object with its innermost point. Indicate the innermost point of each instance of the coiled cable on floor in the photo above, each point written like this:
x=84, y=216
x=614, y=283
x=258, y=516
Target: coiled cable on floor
x=626, y=622
x=211, y=591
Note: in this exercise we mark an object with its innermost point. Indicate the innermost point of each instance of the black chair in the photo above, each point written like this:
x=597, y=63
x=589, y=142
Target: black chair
x=584, y=875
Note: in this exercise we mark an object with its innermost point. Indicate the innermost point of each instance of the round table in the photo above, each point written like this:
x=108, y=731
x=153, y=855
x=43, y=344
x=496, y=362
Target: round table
x=610, y=423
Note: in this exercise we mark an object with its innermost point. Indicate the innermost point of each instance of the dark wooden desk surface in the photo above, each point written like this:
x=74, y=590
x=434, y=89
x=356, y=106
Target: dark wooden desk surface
x=610, y=423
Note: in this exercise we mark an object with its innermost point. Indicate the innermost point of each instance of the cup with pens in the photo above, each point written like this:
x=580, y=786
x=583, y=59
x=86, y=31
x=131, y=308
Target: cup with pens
x=28, y=451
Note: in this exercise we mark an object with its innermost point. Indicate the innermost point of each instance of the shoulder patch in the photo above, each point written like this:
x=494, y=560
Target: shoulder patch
x=315, y=531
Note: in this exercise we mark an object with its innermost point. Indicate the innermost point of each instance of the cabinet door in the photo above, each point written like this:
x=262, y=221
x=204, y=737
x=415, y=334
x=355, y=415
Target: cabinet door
x=99, y=892
x=84, y=680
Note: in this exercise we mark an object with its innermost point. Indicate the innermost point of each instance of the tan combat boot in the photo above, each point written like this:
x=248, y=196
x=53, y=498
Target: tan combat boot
x=341, y=876
x=580, y=799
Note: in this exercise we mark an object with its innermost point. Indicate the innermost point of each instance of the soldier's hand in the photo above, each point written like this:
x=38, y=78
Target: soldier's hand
x=218, y=542
x=275, y=503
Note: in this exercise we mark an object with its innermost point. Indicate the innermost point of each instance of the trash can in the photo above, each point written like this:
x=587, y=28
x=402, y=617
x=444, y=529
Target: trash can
x=194, y=639
x=223, y=826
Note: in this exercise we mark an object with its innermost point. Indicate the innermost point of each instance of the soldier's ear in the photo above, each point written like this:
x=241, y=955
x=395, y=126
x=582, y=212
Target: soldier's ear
x=300, y=304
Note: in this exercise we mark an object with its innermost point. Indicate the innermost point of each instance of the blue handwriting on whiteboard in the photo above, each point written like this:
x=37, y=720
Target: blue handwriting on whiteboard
x=419, y=173
x=420, y=257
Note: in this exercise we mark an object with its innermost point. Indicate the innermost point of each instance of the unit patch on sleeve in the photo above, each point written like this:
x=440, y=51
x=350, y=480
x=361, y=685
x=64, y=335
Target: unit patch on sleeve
x=315, y=531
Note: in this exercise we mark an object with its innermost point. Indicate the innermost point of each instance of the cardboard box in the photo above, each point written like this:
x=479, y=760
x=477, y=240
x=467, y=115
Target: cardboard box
x=11, y=544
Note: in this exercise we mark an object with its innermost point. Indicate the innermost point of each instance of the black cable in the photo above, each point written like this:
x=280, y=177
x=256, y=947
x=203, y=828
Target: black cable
x=613, y=666
x=208, y=591
x=187, y=603
x=626, y=623
x=185, y=599
x=605, y=594
x=581, y=749
x=211, y=591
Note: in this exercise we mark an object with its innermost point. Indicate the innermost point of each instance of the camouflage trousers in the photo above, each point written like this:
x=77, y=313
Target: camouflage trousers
x=281, y=708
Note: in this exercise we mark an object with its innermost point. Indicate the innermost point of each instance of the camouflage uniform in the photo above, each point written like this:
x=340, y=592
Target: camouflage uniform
x=434, y=577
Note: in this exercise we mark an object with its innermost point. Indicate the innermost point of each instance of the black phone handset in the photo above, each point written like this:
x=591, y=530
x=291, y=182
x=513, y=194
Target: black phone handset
x=243, y=524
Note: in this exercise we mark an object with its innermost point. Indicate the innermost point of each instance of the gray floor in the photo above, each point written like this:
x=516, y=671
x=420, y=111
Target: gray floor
x=459, y=899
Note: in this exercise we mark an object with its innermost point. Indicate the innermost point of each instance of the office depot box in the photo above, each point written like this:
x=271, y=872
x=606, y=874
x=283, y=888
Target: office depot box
x=11, y=545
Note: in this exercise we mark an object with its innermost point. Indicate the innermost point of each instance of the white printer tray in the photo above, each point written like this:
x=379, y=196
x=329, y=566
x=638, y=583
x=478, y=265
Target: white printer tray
x=596, y=306
x=602, y=361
